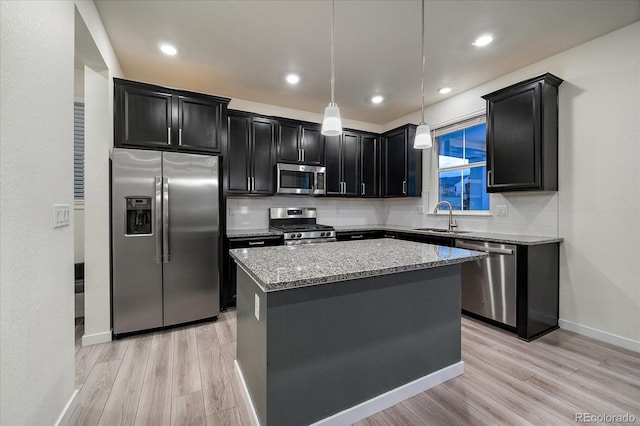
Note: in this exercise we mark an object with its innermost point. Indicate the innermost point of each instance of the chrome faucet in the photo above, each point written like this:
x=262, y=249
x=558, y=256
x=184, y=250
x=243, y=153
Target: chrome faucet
x=452, y=221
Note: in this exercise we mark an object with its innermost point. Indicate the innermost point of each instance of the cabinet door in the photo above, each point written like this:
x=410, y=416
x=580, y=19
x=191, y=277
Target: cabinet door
x=312, y=144
x=395, y=164
x=369, y=166
x=333, y=164
x=513, y=140
x=351, y=164
x=288, y=137
x=262, y=156
x=143, y=117
x=238, y=171
x=198, y=123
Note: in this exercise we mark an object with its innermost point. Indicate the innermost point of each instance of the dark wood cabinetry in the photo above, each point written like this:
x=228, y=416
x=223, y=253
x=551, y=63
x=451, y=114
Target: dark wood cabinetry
x=370, y=165
x=438, y=240
x=299, y=142
x=342, y=160
x=522, y=136
x=154, y=117
x=250, y=154
x=358, y=235
x=228, y=288
x=401, y=164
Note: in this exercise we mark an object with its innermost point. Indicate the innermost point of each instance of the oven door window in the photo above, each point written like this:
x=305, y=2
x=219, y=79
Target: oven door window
x=296, y=180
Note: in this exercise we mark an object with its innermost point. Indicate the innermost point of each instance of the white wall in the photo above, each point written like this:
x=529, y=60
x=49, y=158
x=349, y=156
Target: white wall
x=98, y=54
x=36, y=169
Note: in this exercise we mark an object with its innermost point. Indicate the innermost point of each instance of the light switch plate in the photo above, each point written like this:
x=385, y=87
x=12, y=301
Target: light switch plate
x=257, y=307
x=61, y=215
x=502, y=210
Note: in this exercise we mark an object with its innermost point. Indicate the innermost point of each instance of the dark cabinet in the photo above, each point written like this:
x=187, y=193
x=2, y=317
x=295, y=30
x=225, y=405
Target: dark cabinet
x=250, y=154
x=401, y=164
x=522, y=136
x=369, y=169
x=359, y=235
x=154, y=117
x=438, y=240
x=228, y=288
x=299, y=142
x=342, y=160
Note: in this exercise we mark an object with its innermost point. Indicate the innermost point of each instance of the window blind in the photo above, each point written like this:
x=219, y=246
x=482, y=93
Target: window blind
x=459, y=125
x=78, y=151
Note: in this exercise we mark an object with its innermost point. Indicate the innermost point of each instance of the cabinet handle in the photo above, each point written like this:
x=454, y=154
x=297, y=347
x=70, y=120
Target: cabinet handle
x=248, y=183
x=363, y=188
x=302, y=155
x=404, y=187
x=180, y=137
x=168, y=135
x=253, y=183
x=256, y=243
x=489, y=176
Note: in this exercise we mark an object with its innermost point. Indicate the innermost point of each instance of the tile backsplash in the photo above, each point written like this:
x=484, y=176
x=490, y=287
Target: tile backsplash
x=527, y=213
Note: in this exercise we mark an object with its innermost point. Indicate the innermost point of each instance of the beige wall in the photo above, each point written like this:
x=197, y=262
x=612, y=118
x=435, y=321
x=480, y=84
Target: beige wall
x=36, y=166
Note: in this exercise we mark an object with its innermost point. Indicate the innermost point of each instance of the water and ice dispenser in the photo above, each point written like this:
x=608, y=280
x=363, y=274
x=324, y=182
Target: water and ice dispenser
x=138, y=216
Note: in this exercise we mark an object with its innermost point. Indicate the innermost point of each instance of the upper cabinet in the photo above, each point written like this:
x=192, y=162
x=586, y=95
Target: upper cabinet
x=342, y=160
x=148, y=116
x=401, y=164
x=370, y=165
x=522, y=136
x=250, y=154
x=299, y=142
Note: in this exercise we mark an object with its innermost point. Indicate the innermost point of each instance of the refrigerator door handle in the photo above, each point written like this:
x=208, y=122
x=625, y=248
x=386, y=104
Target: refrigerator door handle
x=158, y=219
x=165, y=220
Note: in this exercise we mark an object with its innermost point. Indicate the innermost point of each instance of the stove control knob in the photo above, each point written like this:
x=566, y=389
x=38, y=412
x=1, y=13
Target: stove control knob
x=322, y=234
x=299, y=235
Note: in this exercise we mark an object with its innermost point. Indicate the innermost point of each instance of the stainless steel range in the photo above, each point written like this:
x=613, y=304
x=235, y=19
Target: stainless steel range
x=299, y=225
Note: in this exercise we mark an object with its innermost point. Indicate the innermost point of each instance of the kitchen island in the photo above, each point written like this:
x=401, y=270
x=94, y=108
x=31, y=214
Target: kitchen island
x=332, y=333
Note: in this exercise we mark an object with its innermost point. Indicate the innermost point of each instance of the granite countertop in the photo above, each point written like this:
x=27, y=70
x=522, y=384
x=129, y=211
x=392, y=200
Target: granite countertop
x=285, y=267
x=246, y=233
x=466, y=235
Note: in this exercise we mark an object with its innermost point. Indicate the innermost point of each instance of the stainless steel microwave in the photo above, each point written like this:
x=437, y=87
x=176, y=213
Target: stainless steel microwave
x=300, y=179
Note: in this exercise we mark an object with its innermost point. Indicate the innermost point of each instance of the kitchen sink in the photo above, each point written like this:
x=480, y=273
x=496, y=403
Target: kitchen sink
x=441, y=230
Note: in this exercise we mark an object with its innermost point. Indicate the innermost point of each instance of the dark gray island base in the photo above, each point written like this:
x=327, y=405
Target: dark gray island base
x=336, y=352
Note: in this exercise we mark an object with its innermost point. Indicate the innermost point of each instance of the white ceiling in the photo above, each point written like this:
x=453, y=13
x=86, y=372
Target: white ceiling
x=243, y=49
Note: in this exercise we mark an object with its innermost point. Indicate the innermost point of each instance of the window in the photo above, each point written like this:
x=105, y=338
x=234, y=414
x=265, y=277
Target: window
x=78, y=151
x=462, y=164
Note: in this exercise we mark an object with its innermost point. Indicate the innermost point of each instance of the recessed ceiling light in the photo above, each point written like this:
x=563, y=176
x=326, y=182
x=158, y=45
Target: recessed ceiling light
x=293, y=78
x=444, y=90
x=483, y=40
x=168, y=49
x=377, y=99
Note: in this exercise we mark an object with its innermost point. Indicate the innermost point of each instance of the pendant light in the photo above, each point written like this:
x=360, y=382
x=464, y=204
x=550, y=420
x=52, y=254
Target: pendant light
x=423, y=132
x=332, y=125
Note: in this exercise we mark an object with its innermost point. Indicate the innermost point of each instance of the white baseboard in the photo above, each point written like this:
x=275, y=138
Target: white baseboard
x=603, y=336
x=374, y=405
x=65, y=416
x=253, y=416
x=94, y=339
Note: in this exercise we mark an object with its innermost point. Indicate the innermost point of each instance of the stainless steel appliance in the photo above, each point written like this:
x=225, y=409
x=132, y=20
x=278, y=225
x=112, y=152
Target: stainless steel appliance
x=165, y=239
x=299, y=225
x=300, y=179
x=489, y=284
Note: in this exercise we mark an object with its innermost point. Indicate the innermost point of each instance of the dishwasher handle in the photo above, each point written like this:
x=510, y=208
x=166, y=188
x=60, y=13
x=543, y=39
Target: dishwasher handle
x=478, y=247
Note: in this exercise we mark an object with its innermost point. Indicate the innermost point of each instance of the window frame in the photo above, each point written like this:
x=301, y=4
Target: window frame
x=461, y=123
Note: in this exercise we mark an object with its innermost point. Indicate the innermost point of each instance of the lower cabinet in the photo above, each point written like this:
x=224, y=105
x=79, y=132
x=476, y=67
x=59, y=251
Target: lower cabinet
x=439, y=240
x=228, y=287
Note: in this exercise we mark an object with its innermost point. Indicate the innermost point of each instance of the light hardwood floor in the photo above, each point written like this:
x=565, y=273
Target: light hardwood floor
x=184, y=376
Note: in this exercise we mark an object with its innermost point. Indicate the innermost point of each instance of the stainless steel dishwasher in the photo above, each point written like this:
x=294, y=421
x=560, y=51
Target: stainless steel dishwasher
x=489, y=284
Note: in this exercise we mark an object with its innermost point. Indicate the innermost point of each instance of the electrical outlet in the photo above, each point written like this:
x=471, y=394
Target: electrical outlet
x=257, y=307
x=61, y=215
x=502, y=210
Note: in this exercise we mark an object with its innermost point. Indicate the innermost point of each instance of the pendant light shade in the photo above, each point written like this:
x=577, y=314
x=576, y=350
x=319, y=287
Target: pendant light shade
x=423, y=132
x=423, y=137
x=332, y=124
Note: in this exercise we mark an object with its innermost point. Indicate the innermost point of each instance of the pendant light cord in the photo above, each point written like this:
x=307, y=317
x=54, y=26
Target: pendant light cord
x=423, y=61
x=333, y=69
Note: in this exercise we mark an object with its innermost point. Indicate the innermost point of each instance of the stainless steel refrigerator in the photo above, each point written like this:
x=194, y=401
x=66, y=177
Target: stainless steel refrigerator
x=165, y=239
